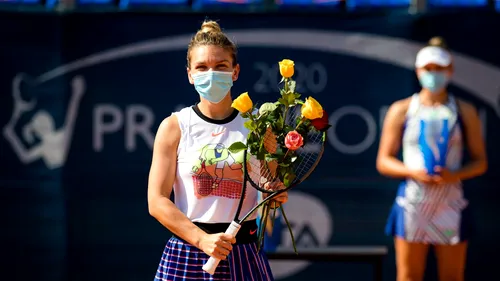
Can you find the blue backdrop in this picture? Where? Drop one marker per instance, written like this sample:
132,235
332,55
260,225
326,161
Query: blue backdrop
95,87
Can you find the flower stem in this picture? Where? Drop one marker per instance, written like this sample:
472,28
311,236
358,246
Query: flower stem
286,153
251,117
300,123
285,114
263,223
285,88
289,229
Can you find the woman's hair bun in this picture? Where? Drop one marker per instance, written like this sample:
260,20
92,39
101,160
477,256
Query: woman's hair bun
210,26
438,41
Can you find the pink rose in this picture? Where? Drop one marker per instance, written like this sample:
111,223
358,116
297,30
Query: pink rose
293,140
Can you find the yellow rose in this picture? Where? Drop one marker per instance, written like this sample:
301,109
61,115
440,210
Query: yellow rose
311,109
286,68
243,103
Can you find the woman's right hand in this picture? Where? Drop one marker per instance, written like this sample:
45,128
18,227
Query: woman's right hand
422,176
217,245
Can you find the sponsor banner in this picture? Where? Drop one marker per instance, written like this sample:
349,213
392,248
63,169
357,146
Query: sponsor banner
82,98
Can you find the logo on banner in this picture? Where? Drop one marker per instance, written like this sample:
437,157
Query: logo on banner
53,144
45,141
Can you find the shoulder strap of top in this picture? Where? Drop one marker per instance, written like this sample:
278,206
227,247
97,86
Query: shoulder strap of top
454,107
453,104
413,106
412,110
184,120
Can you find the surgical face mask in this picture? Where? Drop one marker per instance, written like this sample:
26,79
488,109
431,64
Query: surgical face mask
213,85
434,81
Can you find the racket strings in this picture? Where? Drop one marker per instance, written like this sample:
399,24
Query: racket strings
309,155
312,150
264,174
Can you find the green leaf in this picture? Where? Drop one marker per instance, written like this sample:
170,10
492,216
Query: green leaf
252,138
279,151
237,147
291,98
261,153
267,107
261,127
283,101
270,157
250,125
281,121
272,119
288,180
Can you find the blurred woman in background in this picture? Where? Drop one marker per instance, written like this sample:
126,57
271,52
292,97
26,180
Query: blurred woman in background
430,208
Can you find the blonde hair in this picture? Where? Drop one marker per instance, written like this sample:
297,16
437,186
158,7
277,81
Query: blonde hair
210,34
438,41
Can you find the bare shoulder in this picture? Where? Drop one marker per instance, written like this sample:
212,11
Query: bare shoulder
398,109
466,108
168,134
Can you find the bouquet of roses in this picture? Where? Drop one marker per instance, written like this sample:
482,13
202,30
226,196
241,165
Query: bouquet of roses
283,124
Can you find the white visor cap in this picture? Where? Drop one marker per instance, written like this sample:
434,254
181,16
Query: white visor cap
432,54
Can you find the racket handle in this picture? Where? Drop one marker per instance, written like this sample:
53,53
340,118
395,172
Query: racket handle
212,262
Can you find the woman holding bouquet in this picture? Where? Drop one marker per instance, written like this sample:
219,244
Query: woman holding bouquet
190,156
433,128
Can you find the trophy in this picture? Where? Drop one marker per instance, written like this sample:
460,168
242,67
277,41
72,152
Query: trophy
433,140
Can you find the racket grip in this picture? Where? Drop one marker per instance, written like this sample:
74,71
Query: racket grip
212,262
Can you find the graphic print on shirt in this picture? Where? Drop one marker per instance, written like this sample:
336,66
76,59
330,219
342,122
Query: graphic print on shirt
218,172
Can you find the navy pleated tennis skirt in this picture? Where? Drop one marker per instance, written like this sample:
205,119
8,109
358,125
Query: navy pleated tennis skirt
182,261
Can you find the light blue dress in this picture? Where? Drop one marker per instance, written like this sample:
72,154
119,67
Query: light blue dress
423,213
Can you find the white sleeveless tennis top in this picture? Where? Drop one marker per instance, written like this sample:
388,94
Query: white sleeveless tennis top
412,154
209,178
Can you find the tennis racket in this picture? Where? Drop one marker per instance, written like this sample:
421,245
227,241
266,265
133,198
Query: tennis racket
263,175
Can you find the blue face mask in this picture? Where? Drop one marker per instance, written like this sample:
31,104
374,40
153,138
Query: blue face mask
213,85
434,81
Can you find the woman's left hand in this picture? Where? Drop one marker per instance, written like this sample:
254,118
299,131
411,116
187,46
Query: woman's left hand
279,200
445,176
